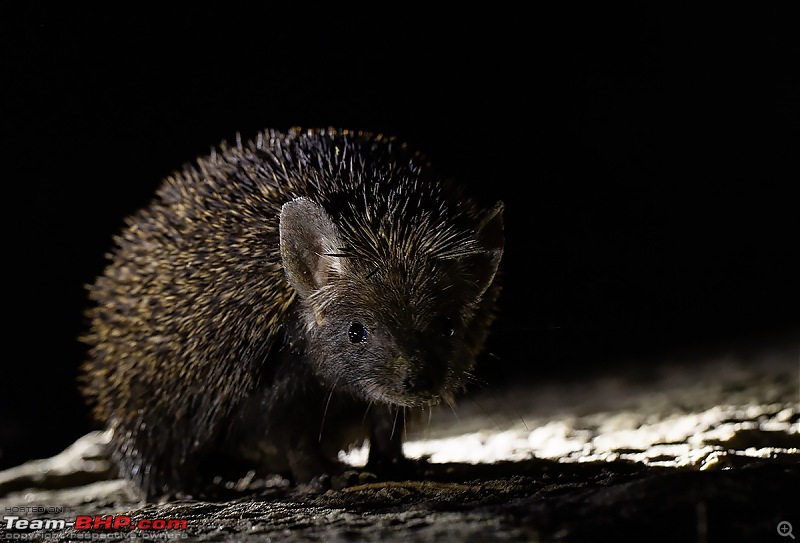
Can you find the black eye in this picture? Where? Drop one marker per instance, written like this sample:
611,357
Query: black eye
357,333
445,326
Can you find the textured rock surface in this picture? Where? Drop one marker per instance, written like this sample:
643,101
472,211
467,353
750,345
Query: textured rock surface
702,450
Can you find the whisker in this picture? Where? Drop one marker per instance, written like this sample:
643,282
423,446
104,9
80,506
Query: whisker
473,379
450,404
518,415
366,412
506,405
325,412
487,414
484,385
394,422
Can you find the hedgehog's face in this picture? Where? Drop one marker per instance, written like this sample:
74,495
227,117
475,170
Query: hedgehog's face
383,331
387,341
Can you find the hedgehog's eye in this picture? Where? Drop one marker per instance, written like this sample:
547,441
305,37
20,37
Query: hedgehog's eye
357,333
444,325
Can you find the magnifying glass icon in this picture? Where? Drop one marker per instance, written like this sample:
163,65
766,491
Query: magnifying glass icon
785,529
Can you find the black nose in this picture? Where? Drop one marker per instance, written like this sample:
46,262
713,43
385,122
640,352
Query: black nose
417,384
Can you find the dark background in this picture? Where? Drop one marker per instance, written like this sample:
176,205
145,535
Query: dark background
647,159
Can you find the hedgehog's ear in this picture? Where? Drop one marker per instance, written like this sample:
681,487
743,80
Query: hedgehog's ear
489,235
309,243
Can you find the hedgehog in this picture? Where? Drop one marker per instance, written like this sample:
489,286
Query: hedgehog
283,299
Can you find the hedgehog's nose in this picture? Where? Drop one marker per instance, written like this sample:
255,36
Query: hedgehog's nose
417,384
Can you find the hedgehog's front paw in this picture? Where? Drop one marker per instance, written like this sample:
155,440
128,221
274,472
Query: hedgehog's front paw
320,484
353,477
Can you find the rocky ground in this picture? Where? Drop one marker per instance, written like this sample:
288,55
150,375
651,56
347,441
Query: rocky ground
703,449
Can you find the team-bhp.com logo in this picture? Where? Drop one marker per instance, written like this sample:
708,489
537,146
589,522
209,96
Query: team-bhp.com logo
87,522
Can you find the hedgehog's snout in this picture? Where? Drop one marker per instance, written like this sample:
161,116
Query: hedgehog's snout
417,391
419,384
